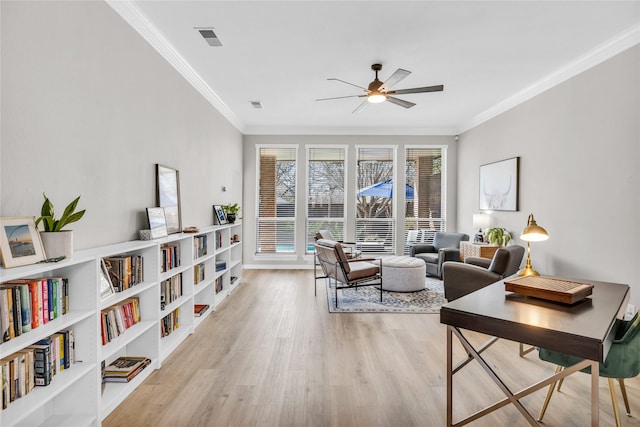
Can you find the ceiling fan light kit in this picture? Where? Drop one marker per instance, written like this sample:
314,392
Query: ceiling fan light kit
378,91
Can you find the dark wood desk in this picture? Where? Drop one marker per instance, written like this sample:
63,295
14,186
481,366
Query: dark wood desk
585,330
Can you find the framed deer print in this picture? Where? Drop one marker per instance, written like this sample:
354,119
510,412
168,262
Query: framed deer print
499,185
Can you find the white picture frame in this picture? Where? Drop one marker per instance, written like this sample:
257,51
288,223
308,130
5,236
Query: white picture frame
157,222
499,185
106,286
20,242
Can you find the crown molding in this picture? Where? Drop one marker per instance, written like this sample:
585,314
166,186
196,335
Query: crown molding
311,130
596,56
136,19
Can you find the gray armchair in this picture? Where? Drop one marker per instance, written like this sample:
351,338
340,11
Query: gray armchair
445,247
475,273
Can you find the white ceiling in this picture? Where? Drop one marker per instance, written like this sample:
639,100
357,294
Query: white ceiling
489,56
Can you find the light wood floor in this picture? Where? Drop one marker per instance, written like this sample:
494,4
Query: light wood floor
272,355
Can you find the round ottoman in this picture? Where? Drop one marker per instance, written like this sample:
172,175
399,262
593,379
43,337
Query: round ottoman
403,274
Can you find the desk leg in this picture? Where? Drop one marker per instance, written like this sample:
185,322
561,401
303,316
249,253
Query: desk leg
511,398
449,376
595,400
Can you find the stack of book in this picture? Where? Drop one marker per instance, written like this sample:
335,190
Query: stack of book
115,320
125,271
170,323
198,273
35,365
199,309
124,369
170,256
170,290
200,246
26,304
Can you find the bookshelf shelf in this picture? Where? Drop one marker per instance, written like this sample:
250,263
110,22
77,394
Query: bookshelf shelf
74,398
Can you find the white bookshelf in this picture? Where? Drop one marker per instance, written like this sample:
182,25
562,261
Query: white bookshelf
76,396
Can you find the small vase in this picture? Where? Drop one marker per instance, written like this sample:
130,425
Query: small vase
57,243
231,218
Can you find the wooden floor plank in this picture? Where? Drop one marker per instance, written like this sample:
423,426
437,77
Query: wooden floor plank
272,355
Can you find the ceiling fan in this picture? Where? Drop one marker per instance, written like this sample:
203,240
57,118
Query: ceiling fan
379,92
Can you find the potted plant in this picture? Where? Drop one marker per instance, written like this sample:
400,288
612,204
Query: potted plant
497,236
231,211
58,242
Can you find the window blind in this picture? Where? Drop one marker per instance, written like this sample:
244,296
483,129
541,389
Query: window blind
325,193
275,222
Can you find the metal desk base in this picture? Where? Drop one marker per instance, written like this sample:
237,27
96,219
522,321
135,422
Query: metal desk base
511,397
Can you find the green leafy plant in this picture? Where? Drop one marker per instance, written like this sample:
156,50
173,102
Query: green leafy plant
498,236
231,209
48,218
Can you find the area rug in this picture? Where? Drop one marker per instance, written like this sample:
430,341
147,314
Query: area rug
367,299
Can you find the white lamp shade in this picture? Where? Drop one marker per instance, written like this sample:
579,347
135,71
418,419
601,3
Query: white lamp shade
481,220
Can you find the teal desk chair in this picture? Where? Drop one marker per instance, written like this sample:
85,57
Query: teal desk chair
623,361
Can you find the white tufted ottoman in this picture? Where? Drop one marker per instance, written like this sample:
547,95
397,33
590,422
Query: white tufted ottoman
403,274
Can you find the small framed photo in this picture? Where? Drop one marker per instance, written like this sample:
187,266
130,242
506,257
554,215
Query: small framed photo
106,287
157,222
219,215
20,242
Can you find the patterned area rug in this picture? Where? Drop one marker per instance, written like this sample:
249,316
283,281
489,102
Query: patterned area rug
367,299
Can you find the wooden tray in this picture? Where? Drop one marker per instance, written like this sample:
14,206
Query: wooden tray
550,288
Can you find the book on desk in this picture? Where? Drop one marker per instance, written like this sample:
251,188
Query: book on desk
550,288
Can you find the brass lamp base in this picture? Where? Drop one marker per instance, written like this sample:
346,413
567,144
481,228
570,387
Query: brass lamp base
528,270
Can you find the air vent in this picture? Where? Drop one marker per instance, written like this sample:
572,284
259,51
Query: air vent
209,36
256,104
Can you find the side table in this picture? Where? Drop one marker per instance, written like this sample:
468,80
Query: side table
477,249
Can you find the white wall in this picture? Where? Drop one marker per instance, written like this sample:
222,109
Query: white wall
88,108
580,159
250,190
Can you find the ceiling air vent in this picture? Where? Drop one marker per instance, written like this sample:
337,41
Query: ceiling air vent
209,36
256,104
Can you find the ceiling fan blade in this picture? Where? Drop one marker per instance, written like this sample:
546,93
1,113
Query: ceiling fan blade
400,102
341,97
361,106
394,79
438,88
338,80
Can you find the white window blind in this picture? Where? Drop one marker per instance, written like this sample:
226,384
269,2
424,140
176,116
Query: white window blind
375,221
276,219
325,193
425,212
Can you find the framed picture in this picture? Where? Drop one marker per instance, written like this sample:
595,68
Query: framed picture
219,215
20,242
106,287
168,197
157,222
499,185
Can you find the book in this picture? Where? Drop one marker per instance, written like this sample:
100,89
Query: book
199,309
42,364
5,325
125,368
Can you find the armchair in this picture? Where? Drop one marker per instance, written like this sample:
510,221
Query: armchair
349,248
349,272
623,361
445,247
460,279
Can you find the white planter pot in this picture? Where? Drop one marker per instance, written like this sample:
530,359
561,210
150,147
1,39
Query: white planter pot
57,243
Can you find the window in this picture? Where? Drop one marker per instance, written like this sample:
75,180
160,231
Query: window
425,213
276,204
375,221
325,192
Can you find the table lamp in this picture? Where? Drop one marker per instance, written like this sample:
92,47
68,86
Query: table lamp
531,233
480,221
